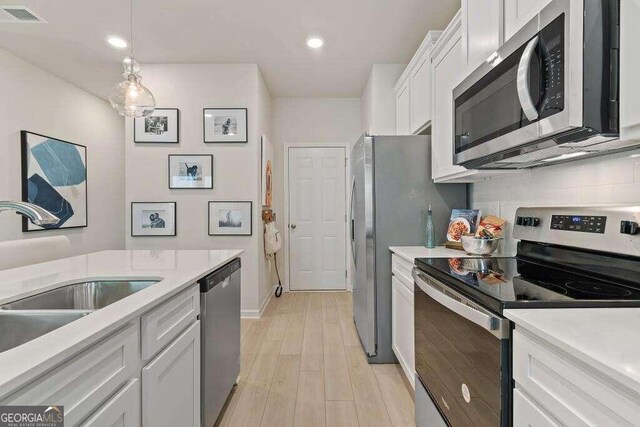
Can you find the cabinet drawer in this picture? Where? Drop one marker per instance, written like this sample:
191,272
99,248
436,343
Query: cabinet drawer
162,324
569,390
528,414
122,410
84,382
401,268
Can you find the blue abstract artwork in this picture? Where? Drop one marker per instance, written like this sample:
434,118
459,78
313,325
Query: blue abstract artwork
54,177
60,161
44,195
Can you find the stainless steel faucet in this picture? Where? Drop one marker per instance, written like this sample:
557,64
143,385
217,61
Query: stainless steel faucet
36,214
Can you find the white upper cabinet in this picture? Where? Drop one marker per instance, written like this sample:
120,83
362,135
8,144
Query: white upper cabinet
519,12
403,109
481,30
448,71
629,66
413,90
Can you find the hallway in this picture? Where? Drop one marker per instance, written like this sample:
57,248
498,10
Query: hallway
302,365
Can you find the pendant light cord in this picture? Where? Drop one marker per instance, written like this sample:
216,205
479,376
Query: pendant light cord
131,26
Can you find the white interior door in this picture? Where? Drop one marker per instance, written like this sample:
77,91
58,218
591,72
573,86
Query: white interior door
317,218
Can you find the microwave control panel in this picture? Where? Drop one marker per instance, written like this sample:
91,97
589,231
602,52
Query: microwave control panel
580,223
551,50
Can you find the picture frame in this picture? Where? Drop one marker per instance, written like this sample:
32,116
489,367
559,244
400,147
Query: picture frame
54,177
190,171
153,219
225,125
160,127
267,172
230,218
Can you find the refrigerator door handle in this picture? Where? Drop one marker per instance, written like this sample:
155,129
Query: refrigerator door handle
353,221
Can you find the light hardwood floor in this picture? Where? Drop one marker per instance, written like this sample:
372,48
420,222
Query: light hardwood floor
302,365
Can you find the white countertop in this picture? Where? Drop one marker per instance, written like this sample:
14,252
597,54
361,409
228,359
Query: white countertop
608,339
176,270
410,253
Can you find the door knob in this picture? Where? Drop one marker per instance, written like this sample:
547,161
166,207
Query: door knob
293,226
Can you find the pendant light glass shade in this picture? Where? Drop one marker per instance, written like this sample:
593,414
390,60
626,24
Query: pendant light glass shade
129,97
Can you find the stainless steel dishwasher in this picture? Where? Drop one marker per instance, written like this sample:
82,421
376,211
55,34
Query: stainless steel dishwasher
220,341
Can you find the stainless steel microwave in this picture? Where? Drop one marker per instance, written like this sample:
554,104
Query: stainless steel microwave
549,94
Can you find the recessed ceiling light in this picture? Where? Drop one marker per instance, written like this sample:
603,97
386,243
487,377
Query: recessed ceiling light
117,42
315,42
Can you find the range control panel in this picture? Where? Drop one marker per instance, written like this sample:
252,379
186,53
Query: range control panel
580,223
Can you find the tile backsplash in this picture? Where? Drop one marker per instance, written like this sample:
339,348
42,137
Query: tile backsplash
610,179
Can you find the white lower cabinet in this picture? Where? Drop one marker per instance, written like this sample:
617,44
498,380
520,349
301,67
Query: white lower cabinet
528,414
122,410
171,383
402,339
555,388
84,382
115,382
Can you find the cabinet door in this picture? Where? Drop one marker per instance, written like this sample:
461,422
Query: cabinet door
122,410
528,414
519,12
629,66
481,28
421,94
171,383
403,107
402,327
448,71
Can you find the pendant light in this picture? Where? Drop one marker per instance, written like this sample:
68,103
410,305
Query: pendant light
129,97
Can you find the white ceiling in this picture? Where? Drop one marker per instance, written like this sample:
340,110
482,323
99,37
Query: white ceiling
271,33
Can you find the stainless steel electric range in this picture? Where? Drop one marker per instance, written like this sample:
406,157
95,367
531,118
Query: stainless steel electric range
566,257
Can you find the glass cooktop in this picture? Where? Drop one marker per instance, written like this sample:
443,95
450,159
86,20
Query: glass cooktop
514,282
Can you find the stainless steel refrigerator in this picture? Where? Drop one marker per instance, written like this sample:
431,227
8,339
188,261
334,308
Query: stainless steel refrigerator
391,190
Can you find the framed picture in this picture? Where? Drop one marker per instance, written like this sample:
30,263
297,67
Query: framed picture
162,126
54,177
225,124
267,172
190,171
153,219
230,218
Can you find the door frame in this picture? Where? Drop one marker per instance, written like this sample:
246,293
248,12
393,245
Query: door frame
347,192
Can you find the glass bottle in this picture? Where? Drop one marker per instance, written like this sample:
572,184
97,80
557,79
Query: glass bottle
431,232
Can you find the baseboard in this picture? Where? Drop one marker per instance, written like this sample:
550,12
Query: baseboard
256,314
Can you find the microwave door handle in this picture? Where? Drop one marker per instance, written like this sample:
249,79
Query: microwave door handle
524,95
481,319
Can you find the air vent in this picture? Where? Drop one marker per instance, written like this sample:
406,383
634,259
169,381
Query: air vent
19,14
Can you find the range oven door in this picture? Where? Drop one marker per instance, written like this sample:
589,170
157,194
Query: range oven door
528,90
462,355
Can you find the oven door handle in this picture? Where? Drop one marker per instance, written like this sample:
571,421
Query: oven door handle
524,95
468,310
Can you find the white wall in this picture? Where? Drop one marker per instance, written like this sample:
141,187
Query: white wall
602,180
190,88
35,100
378,102
308,120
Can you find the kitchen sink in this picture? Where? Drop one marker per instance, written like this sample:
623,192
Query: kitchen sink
29,318
19,327
81,296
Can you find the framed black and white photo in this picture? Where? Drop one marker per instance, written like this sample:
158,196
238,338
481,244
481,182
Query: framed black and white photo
230,218
162,127
153,219
190,171
225,125
54,177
